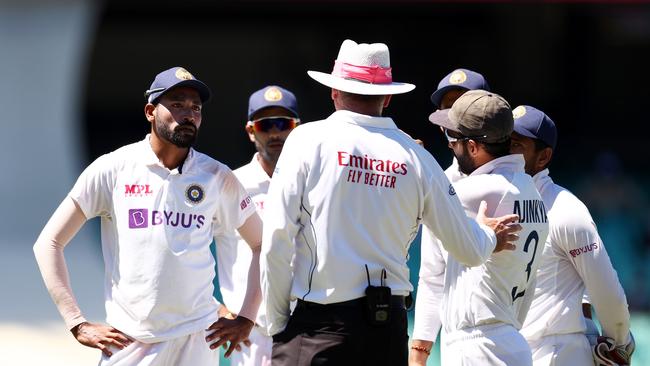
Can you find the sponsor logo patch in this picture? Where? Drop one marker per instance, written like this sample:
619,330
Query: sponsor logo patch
183,74
587,248
137,190
272,94
457,77
245,202
138,218
519,112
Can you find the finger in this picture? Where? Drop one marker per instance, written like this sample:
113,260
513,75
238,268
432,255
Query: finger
511,238
212,336
231,349
104,349
238,348
507,219
513,228
117,343
121,337
247,342
482,209
220,342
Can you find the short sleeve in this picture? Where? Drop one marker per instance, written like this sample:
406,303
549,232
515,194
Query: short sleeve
94,188
235,205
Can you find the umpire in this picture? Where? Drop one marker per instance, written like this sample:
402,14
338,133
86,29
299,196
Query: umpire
346,200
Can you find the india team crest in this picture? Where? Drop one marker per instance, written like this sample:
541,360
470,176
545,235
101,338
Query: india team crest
194,193
183,74
457,77
272,94
519,112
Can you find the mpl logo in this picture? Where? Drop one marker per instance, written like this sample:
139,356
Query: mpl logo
137,190
138,218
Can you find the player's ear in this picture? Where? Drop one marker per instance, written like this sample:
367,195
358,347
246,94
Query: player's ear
544,157
148,112
250,132
387,100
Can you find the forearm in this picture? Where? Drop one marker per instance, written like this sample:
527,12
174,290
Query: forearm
253,296
48,249
251,232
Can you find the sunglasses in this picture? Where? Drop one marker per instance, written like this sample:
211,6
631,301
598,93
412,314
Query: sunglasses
461,137
267,123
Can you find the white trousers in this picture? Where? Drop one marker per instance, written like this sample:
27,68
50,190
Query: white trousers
494,345
188,350
564,349
258,354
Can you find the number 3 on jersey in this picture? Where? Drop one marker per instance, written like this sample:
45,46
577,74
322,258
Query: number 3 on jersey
532,236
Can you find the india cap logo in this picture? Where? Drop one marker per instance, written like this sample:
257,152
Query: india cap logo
194,193
457,77
519,112
272,94
183,74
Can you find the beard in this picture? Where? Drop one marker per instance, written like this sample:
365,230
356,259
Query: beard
270,155
465,163
184,135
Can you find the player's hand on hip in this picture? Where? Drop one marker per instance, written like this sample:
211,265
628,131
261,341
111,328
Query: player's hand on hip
505,227
234,331
100,336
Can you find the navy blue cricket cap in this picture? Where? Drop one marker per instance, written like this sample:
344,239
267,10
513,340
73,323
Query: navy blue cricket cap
272,96
533,123
462,79
171,78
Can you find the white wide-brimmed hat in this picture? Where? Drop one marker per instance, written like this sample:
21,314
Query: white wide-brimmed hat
362,69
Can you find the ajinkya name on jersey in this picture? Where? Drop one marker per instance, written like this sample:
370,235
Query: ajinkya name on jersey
139,218
373,167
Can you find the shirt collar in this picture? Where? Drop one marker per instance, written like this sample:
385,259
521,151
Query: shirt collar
508,163
362,119
542,179
259,170
148,157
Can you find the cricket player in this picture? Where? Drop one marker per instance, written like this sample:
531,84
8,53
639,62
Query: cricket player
574,261
346,200
272,115
161,203
450,88
481,307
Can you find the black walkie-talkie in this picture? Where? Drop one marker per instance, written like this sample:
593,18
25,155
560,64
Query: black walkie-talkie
378,301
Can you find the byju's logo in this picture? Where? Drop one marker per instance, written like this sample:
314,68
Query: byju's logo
138,218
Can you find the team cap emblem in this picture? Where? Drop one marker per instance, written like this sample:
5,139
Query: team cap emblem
272,94
519,112
194,193
457,77
183,74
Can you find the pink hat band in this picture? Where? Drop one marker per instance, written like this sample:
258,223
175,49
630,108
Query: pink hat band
368,74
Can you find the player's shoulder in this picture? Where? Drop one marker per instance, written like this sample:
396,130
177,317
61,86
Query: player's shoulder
568,211
209,164
119,157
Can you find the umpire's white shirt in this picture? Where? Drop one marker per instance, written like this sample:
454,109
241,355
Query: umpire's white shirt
233,253
461,296
156,227
351,191
574,259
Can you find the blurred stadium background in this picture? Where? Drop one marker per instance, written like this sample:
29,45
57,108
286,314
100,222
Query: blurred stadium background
73,73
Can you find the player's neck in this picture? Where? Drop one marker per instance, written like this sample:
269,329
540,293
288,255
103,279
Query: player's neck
170,155
267,166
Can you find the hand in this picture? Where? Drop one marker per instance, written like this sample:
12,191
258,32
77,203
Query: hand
505,228
233,330
417,354
607,353
100,336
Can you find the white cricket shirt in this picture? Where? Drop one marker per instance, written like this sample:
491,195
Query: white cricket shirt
499,291
574,259
233,253
156,229
351,191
